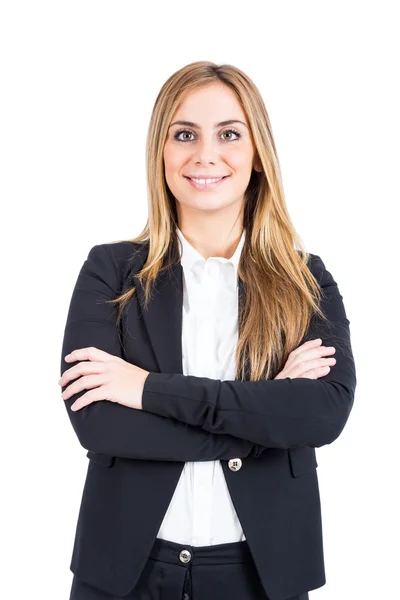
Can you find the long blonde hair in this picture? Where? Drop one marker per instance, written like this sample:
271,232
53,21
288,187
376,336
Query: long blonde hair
281,293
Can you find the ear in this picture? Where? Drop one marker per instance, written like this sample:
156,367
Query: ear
257,166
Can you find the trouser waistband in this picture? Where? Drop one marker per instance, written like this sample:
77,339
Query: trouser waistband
185,554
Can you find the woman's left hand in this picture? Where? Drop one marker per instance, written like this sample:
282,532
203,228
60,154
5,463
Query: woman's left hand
107,377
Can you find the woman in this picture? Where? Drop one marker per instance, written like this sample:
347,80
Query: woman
201,374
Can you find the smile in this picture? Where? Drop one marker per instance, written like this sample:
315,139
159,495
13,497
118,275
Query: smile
206,184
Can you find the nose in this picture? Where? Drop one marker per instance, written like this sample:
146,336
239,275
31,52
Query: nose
206,150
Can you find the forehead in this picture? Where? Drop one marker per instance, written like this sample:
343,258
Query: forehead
210,104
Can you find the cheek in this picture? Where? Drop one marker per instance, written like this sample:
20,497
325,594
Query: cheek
174,158
173,169
240,157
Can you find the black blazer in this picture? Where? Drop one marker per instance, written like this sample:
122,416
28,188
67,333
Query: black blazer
136,456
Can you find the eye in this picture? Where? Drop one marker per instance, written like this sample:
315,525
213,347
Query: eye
234,132
178,133
226,131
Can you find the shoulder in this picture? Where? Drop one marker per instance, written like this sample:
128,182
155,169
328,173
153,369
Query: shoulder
119,259
315,263
317,267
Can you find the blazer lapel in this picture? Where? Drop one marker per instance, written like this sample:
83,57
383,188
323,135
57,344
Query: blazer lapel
163,316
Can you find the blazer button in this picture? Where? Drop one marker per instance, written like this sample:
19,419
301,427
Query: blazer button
185,556
235,464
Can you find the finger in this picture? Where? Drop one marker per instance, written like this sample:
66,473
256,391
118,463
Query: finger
316,373
302,367
311,353
82,368
306,346
92,396
84,383
90,353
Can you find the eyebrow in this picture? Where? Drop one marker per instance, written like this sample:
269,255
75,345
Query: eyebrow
195,126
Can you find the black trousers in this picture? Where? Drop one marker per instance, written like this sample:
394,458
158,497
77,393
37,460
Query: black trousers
182,572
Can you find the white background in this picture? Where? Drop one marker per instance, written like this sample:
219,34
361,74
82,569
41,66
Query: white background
78,82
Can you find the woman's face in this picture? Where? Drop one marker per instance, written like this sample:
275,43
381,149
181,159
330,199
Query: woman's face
205,148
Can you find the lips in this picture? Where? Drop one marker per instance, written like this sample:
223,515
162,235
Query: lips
208,177
205,187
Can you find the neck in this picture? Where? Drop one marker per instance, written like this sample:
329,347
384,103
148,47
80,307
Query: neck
212,235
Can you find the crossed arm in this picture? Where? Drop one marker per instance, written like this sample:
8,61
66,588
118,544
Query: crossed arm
111,428
281,413
188,418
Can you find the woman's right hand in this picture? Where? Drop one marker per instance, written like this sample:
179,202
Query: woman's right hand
308,361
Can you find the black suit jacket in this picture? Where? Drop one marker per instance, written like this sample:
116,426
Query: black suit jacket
136,456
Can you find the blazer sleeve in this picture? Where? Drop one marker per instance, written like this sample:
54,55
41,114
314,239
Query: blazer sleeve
113,429
282,413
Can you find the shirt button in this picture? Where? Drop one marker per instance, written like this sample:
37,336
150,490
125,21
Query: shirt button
235,464
185,556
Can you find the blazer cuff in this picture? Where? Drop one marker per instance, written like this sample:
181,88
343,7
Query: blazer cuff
176,396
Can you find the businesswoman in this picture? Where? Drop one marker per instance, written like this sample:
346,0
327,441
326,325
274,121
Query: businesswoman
207,359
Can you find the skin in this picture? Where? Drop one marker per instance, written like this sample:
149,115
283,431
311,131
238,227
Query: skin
212,221
105,376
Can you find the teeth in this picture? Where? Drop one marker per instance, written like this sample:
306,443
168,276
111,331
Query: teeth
202,181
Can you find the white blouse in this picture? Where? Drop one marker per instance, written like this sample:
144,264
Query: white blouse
201,512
